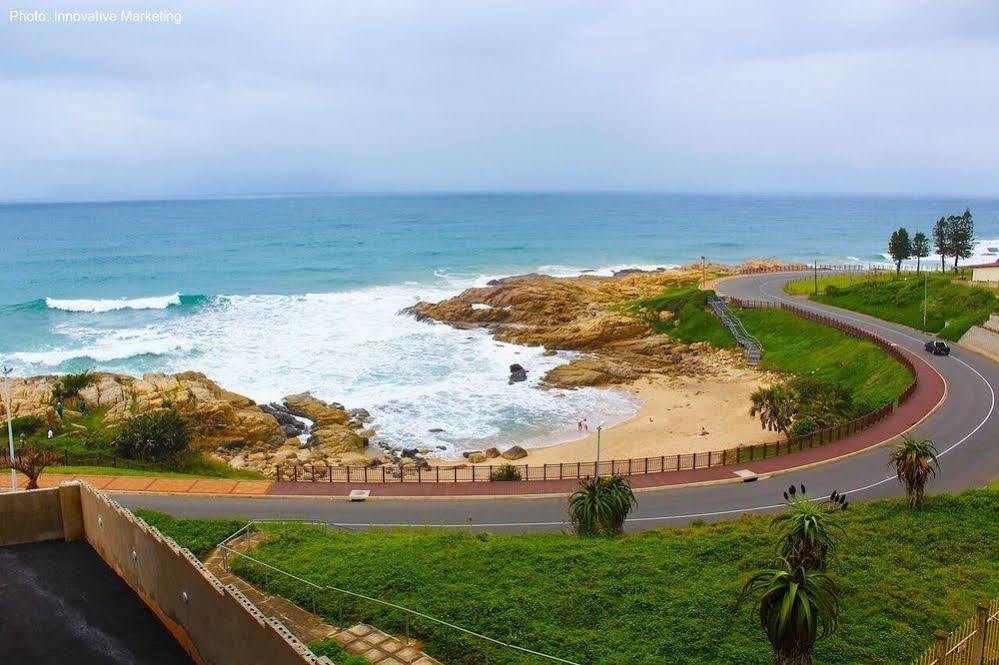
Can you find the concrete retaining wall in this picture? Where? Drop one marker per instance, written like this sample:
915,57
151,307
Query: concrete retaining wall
216,624
30,517
982,340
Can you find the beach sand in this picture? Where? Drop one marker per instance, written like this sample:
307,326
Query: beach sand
676,416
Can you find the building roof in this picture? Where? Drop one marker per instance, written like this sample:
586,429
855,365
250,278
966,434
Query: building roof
994,264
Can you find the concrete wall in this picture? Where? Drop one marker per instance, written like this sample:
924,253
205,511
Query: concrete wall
983,340
30,517
990,274
215,623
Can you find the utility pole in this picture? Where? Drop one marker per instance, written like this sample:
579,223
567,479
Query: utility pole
10,427
596,469
703,271
925,280
815,268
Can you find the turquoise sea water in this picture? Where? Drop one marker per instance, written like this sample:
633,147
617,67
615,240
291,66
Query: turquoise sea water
277,295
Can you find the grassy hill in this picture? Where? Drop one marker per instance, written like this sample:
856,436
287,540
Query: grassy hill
661,596
952,307
791,344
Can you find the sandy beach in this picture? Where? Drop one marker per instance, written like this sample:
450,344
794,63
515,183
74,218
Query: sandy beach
677,415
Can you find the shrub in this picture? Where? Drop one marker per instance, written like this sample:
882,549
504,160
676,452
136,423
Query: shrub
161,436
71,384
601,505
27,425
505,472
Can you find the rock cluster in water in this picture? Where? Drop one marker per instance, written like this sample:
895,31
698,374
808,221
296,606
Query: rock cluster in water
584,314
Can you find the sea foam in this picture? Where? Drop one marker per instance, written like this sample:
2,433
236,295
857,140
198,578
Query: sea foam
109,305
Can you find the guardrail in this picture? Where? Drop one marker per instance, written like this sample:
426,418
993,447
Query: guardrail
412,473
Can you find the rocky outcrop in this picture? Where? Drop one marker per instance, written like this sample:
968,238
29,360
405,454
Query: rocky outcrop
517,373
587,314
224,424
333,431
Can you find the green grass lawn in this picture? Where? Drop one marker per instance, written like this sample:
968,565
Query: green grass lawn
805,348
791,345
662,596
196,472
952,307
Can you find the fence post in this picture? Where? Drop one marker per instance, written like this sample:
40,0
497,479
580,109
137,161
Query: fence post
940,646
981,626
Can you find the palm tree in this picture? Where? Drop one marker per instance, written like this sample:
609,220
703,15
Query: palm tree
601,505
776,406
796,608
809,530
915,462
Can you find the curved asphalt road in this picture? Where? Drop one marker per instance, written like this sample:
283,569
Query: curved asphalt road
965,429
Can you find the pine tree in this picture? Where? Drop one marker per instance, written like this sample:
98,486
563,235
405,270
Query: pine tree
941,236
962,236
899,248
920,248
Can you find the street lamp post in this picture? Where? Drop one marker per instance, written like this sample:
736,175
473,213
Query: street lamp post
815,268
703,270
10,428
925,280
596,469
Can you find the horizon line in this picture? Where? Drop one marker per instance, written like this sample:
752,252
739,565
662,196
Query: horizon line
179,198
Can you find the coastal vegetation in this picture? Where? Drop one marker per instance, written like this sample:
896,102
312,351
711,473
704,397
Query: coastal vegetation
659,596
600,506
834,369
915,461
952,307
150,445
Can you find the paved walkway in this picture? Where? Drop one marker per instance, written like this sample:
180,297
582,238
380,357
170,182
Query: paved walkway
360,639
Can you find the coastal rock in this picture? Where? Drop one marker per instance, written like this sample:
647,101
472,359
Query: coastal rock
517,373
491,453
514,453
590,314
361,415
476,457
306,406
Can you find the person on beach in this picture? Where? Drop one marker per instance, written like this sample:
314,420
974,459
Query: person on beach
579,425
586,425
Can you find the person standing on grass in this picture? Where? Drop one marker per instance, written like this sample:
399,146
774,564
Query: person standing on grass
59,409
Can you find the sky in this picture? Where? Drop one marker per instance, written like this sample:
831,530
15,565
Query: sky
897,97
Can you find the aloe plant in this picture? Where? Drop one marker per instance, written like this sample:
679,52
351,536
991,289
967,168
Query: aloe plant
795,607
915,462
601,505
809,530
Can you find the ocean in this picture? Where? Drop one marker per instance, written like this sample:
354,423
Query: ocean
270,296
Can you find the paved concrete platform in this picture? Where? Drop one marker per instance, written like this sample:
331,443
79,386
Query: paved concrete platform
60,603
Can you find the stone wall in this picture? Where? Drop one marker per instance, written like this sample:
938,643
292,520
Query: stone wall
215,623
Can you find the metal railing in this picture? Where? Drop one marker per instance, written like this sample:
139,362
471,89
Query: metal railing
753,346
974,642
410,615
412,473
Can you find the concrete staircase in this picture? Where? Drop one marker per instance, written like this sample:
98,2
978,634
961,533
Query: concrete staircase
373,645
753,346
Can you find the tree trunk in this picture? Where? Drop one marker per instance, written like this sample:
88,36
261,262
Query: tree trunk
956,257
898,268
792,657
917,266
943,263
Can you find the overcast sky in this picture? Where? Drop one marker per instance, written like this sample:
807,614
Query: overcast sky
896,97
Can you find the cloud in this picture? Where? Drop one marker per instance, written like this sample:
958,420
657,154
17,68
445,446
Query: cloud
718,96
